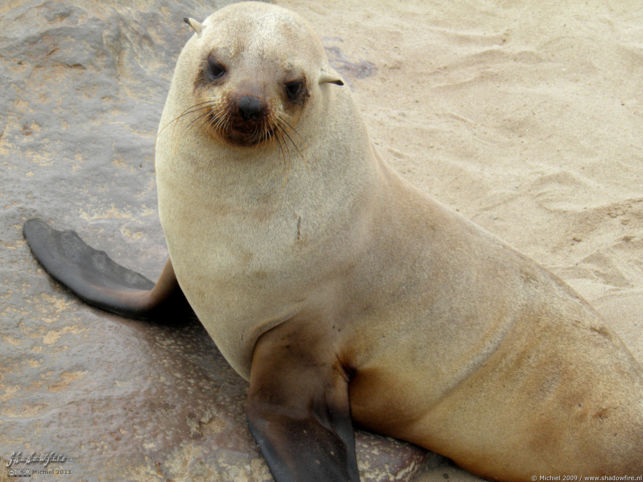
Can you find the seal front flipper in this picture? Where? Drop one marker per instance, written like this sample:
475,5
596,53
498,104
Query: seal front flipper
96,279
298,408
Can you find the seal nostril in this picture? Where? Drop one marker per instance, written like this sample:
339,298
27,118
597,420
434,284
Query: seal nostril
250,107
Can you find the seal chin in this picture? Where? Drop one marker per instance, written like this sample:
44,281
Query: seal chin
248,136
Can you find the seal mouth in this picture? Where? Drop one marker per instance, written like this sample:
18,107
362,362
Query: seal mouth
245,132
224,123
239,131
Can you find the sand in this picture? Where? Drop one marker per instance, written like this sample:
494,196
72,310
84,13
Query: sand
526,117
528,120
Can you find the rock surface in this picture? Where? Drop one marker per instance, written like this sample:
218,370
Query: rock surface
83,88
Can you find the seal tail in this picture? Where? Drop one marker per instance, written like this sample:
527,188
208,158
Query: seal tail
101,282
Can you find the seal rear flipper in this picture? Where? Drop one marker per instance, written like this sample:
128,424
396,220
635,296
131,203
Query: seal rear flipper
298,410
99,281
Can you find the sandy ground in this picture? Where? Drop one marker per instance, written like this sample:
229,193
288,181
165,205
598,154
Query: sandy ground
526,119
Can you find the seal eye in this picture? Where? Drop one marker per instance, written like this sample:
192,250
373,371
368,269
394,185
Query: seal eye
216,70
294,90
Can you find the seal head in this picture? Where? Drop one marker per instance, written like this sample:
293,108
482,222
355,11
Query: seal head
245,92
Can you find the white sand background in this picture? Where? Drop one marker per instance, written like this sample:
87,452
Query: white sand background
524,116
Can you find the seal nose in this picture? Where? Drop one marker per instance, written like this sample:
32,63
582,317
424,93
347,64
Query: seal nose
250,107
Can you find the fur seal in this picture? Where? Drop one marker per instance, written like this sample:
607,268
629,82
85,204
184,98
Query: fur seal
343,293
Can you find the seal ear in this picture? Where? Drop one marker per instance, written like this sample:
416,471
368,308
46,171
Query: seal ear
196,26
330,78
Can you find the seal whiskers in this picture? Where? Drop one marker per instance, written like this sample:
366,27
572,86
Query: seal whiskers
196,108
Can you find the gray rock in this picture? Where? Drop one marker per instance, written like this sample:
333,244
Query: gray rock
83,88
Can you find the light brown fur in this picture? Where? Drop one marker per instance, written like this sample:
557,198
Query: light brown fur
455,341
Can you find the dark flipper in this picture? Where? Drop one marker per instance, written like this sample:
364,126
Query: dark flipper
298,409
96,279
